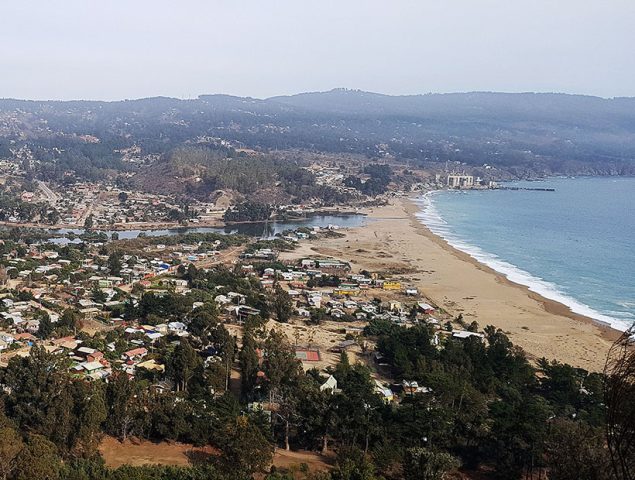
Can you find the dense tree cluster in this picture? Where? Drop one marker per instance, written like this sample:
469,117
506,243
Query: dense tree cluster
380,176
483,405
248,212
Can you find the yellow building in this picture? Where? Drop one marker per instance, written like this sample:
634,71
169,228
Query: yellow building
392,285
345,292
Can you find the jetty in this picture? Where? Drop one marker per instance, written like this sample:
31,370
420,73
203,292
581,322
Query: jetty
527,188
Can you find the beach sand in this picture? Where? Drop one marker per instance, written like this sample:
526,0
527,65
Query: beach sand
394,240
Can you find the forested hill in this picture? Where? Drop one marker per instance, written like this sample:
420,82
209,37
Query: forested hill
527,132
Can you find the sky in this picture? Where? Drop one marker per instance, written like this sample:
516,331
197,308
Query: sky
117,49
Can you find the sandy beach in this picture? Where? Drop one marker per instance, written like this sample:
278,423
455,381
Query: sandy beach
395,241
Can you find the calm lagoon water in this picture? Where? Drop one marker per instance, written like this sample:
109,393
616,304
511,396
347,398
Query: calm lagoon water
255,229
575,245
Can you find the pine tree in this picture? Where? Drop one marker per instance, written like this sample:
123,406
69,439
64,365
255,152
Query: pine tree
183,363
282,305
248,359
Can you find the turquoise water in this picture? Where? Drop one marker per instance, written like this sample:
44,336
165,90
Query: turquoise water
575,245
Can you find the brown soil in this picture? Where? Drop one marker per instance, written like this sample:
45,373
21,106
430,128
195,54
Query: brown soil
137,452
144,452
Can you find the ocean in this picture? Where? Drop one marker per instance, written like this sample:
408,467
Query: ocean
575,245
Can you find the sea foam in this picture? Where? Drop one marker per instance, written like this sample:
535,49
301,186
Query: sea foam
431,218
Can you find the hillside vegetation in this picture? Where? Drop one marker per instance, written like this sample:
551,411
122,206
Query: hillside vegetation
525,133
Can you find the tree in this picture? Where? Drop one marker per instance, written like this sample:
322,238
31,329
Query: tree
315,412
70,319
575,451
202,321
53,216
114,263
123,197
249,364
245,449
46,326
32,383
98,295
121,404
248,212
282,305
183,363
91,413
280,363
10,447
282,370
353,464
39,459
423,464
89,222
619,393
317,315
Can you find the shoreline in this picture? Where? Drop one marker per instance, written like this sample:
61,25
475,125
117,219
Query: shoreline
551,306
550,292
397,243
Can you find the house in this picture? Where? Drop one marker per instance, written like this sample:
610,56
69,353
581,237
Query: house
222,299
135,354
384,392
236,297
32,326
243,312
91,367
90,312
267,282
337,313
177,328
410,387
86,352
96,356
153,336
395,307
179,284
347,289
426,308
391,285
463,334
151,365
329,385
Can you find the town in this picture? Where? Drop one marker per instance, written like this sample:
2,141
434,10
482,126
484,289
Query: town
64,297
227,288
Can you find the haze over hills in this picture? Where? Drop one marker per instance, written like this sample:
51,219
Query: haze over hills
526,133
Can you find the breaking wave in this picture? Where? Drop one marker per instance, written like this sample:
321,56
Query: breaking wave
432,219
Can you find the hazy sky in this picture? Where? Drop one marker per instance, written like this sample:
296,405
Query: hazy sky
113,49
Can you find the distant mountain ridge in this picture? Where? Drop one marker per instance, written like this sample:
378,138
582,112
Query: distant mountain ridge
540,133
